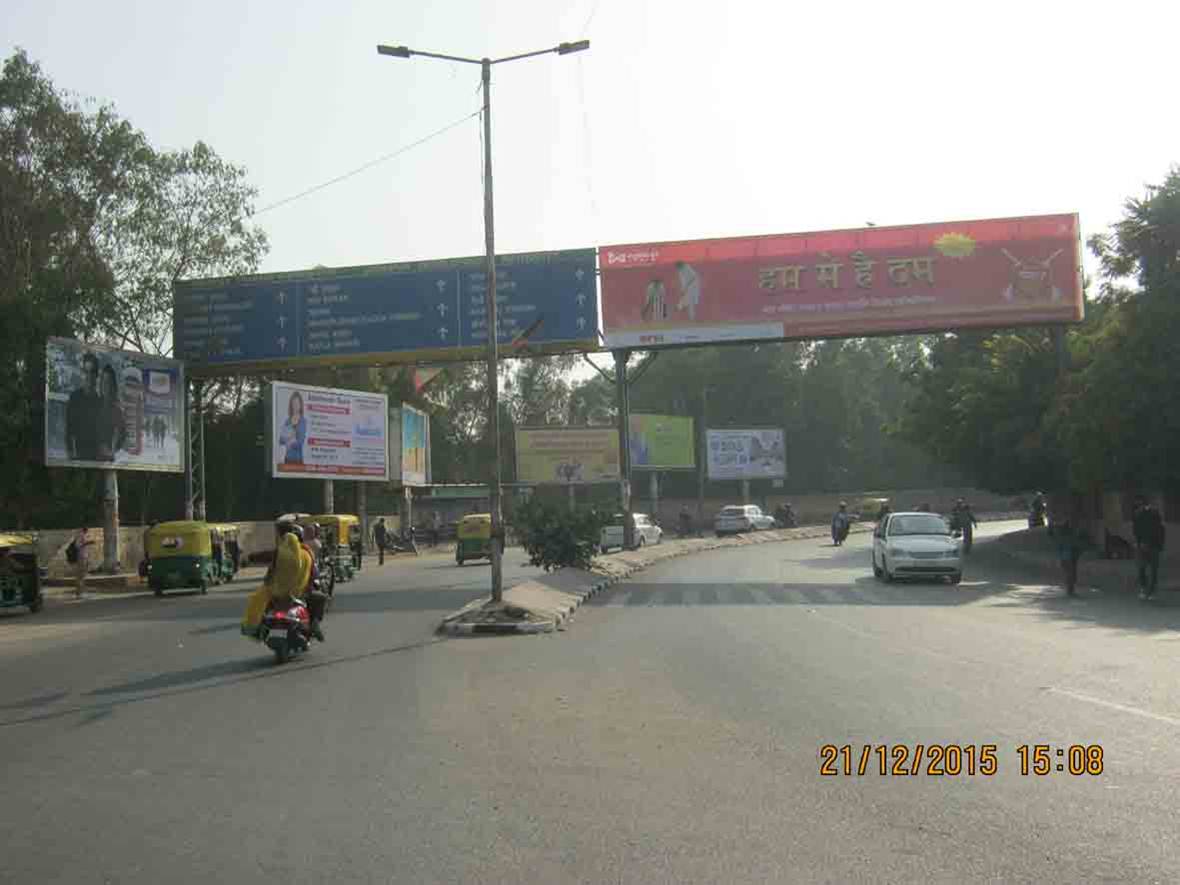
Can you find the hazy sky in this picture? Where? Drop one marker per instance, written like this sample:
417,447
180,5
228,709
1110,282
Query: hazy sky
682,120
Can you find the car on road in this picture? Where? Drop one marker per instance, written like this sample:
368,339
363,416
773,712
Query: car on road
916,545
733,519
646,532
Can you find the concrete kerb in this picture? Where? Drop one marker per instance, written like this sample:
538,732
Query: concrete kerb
538,606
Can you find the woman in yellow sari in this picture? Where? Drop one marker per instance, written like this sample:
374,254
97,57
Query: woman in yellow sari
289,577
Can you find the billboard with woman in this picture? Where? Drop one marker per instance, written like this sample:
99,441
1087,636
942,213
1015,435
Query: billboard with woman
328,433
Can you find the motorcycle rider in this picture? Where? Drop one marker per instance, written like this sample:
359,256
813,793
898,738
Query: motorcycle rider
292,574
840,524
963,520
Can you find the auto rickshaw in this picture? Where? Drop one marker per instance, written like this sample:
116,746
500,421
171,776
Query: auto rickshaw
20,573
180,555
231,551
474,535
343,531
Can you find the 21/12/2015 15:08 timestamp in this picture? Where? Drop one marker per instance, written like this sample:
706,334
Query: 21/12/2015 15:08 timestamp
955,760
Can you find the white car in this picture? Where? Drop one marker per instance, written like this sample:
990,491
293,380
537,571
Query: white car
916,545
735,518
646,532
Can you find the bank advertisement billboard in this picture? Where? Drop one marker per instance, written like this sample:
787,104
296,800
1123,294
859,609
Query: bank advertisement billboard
662,442
567,455
879,280
755,453
107,408
326,433
409,446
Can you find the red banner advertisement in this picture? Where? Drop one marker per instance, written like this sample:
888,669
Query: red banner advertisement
838,284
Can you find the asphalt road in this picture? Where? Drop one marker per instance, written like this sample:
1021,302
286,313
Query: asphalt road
673,733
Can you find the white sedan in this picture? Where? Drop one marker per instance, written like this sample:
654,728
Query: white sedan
916,545
735,518
646,532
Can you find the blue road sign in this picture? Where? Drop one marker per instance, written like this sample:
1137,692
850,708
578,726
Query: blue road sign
386,313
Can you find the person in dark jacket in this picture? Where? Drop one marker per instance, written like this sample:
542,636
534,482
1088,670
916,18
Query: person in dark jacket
1149,543
1072,541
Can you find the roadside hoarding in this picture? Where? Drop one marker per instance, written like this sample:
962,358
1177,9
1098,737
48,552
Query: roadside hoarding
567,455
322,432
662,442
109,408
409,446
409,312
878,280
754,453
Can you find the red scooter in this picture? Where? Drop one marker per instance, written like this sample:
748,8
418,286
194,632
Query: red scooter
286,630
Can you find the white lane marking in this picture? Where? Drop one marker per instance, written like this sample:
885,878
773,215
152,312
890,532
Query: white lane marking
1122,708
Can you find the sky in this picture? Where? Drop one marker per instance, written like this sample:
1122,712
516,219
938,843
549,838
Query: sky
681,121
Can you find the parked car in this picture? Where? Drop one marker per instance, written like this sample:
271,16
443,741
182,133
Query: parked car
646,532
916,545
736,518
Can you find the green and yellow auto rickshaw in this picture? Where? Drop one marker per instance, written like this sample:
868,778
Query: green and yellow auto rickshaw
474,535
20,572
340,533
227,551
180,555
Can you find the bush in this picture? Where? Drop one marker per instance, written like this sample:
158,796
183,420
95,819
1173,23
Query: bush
555,537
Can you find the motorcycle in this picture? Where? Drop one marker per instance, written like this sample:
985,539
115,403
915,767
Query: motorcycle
786,521
402,543
1036,519
286,629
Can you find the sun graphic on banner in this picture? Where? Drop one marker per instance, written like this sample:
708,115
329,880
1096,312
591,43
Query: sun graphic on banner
955,245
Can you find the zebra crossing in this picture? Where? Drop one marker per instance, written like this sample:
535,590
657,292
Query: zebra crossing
640,594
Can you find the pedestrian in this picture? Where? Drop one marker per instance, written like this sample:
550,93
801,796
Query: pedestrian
840,525
1149,543
1072,541
379,534
80,559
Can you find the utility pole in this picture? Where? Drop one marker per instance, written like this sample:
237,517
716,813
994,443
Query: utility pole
493,356
623,400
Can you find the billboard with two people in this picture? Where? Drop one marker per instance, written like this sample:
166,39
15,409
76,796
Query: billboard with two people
107,408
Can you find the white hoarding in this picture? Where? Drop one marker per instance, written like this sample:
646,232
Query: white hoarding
746,454
112,408
328,433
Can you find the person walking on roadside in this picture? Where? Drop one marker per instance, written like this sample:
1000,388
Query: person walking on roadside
840,525
1072,541
964,520
380,536
1149,543
80,559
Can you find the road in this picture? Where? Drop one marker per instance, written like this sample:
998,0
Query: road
673,733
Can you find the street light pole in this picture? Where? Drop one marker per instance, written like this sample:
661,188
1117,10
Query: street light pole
493,354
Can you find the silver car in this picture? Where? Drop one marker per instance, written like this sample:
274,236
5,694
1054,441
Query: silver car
916,545
735,518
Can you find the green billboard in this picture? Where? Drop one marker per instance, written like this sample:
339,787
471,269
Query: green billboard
662,442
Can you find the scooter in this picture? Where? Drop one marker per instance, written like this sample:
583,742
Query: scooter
286,630
1036,519
402,543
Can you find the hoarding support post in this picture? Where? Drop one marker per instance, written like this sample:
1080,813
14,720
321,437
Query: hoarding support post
493,340
329,496
110,522
623,407
188,455
745,491
198,451
573,495
654,494
362,513
703,460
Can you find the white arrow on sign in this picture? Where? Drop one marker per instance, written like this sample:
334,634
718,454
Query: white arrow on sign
442,310
581,299
314,288
581,322
282,322
282,297
442,284
579,273
442,332
282,343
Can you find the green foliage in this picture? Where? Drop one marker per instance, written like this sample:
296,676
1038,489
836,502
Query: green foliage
556,537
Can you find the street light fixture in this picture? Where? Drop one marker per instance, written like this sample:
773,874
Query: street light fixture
493,355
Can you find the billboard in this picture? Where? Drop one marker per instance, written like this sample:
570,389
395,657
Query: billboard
409,446
322,432
746,454
567,454
112,408
877,280
409,312
662,442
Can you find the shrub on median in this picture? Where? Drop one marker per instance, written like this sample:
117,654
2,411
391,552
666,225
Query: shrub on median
555,537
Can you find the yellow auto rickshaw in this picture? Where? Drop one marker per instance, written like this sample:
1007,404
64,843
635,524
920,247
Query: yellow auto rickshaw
180,555
227,555
474,535
20,572
340,533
